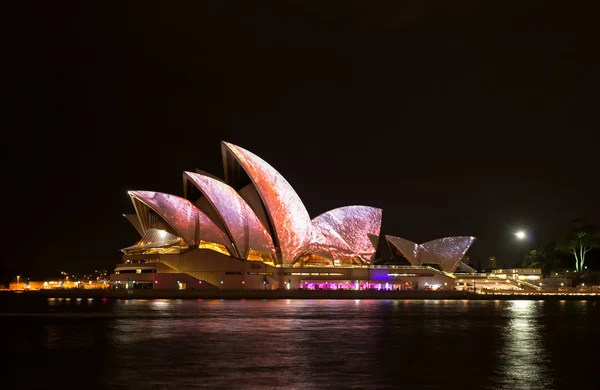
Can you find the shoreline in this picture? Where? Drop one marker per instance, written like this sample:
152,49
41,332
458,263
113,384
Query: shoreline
286,294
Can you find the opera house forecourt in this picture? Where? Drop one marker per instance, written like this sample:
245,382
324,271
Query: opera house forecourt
251,231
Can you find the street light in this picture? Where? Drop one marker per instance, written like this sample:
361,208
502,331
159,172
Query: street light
521,236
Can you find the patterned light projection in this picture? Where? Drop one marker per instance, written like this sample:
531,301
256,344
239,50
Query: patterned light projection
183,216
447,251
243,226
287,214
344,232
409,249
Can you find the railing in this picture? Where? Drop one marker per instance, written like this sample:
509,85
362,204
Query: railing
530,285
517,282
466,275
407,267
401,266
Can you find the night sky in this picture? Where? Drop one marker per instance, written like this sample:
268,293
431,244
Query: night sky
456,118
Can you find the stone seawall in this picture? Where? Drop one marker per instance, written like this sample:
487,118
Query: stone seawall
281,294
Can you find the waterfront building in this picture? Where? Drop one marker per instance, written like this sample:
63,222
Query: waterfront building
526,274
252,231
59,285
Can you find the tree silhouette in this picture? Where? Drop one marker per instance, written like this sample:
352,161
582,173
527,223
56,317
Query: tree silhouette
579,240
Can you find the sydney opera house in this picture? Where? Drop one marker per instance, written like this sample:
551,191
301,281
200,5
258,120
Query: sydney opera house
251,231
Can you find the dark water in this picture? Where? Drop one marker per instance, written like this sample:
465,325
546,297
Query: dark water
302,344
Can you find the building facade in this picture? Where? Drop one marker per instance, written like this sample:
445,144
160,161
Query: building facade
252,231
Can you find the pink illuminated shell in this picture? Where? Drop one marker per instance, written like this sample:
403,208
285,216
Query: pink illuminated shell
243,226
285,210
345,232
409,249
183,216
447,251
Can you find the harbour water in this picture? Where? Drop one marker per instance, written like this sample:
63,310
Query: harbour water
301,344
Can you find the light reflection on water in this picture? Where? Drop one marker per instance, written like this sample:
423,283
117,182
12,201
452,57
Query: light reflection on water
308,344
523,359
